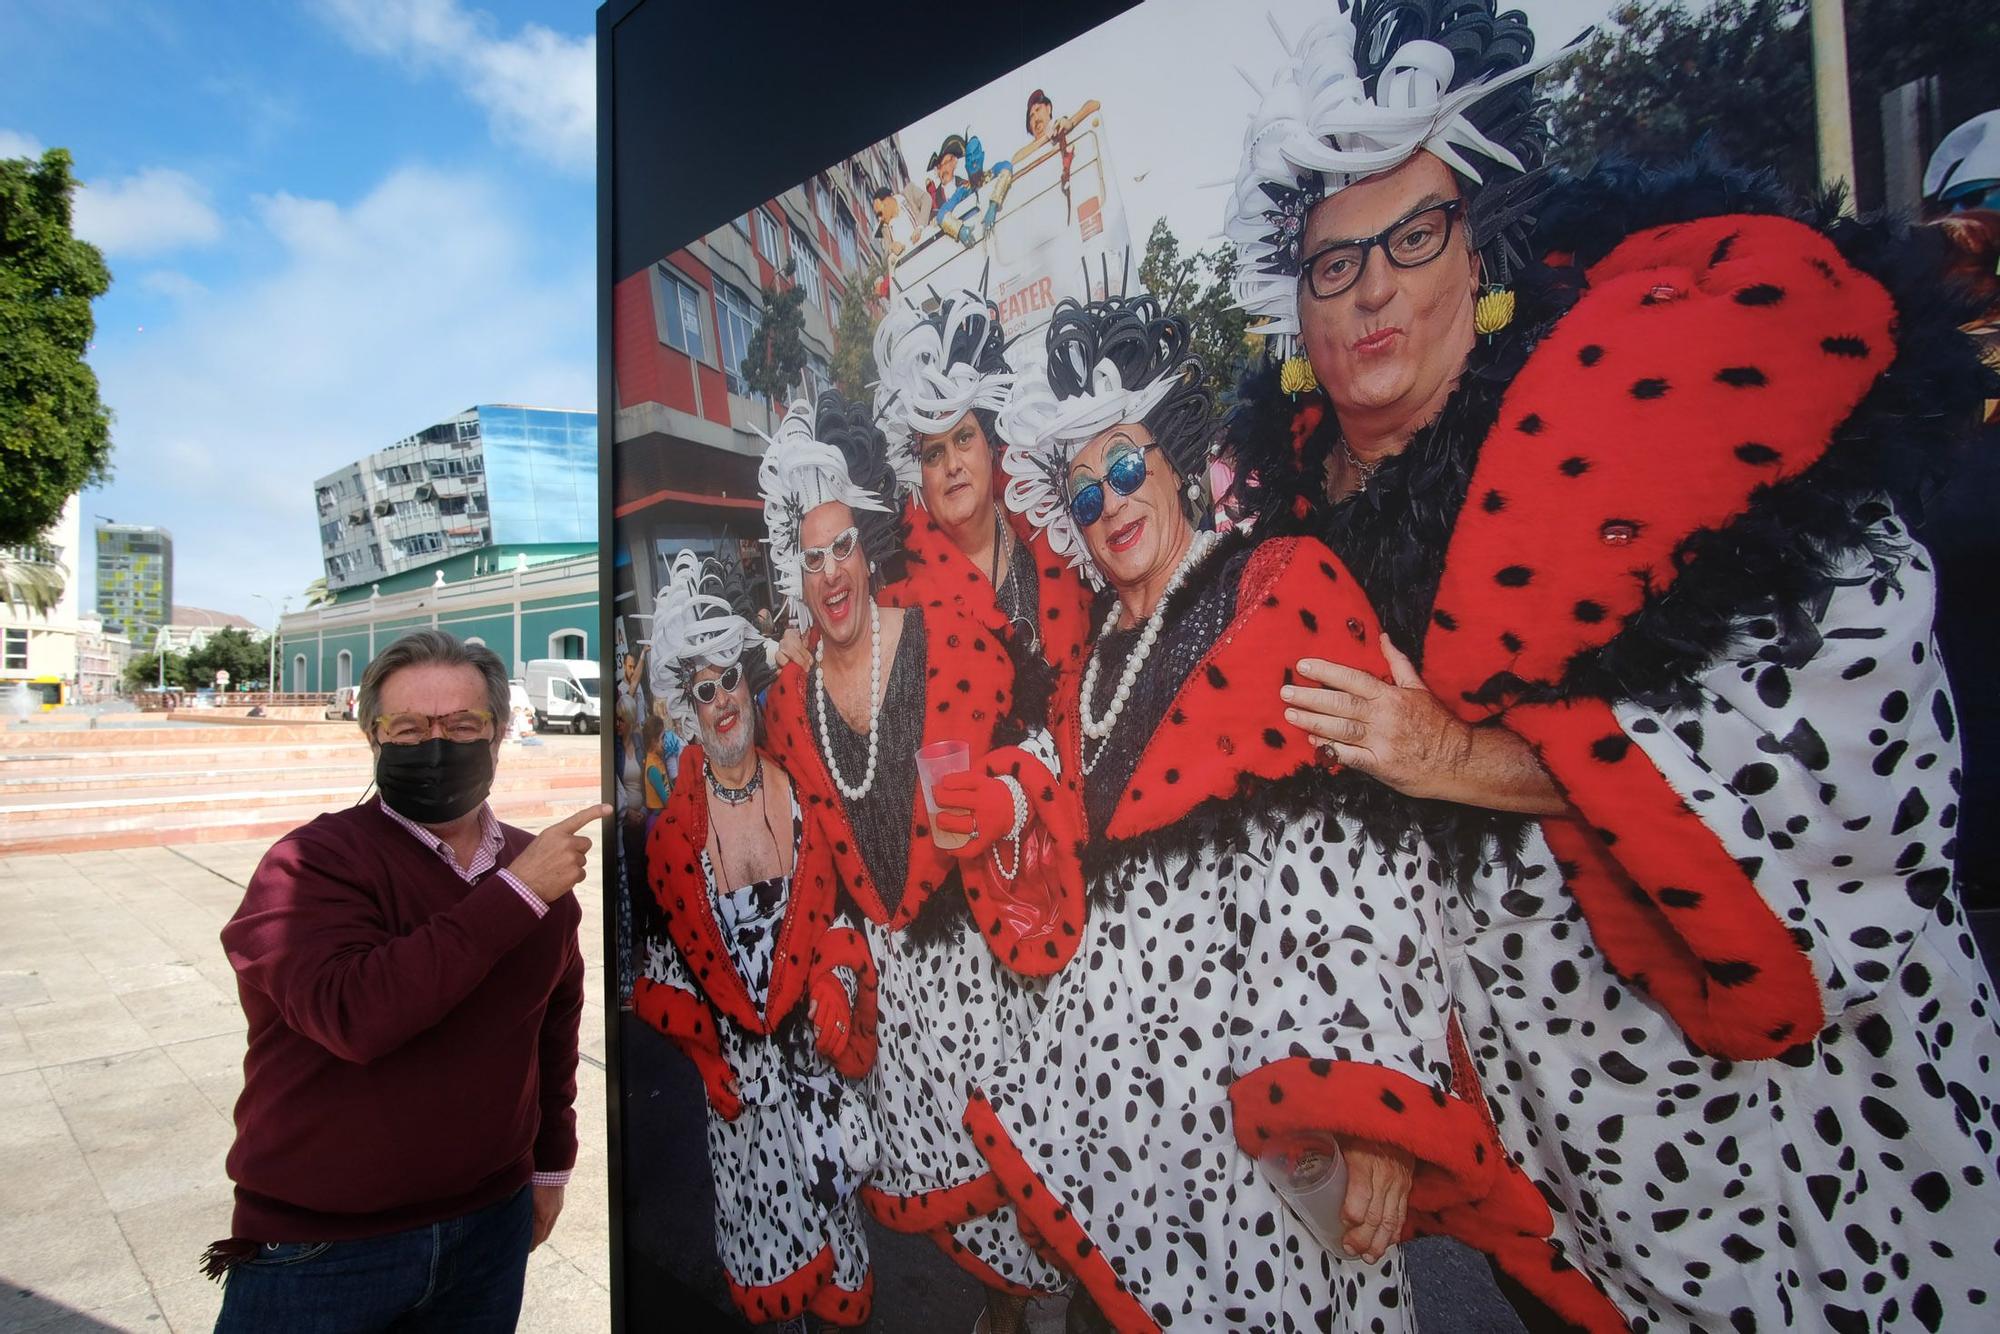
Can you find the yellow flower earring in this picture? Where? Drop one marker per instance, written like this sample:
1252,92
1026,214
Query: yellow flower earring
1296,376
1494,310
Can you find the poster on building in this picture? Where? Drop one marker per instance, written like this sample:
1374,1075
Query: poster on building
1278,671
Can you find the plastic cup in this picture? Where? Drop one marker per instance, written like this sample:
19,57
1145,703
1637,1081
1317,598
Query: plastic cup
938,760
1310,1175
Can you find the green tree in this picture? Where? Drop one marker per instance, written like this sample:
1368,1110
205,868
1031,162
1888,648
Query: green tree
55,435
142,672
233,651
1661,75
854,337
1197,285
777,355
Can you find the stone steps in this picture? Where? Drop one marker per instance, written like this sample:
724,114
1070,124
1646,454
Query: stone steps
101,797
208,769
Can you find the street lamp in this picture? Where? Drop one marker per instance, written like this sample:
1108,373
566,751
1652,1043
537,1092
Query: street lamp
277,618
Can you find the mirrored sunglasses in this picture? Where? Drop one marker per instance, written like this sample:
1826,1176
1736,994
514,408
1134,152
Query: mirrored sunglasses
1124,469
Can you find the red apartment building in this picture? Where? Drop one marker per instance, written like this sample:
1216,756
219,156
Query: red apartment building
686,467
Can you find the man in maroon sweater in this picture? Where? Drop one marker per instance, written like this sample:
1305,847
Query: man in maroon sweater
410,972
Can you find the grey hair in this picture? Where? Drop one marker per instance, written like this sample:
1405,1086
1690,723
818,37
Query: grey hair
421,648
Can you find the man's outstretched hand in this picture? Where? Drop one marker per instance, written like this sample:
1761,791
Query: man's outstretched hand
553,864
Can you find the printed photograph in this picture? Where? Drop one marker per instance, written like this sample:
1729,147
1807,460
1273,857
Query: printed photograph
1288,670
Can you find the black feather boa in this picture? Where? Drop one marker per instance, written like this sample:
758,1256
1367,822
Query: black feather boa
1775,560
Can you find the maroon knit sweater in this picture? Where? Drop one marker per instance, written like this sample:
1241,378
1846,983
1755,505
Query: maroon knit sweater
413,1038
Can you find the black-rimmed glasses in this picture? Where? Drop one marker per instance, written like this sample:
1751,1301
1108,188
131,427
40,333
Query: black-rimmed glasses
1409,243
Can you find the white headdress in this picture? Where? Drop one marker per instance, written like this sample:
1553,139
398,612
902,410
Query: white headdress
923,390
694,626
1317,131
1045,430
801,472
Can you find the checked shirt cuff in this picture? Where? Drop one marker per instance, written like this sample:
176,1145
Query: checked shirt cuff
534,901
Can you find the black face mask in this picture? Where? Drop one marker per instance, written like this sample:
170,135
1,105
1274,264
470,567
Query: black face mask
434,781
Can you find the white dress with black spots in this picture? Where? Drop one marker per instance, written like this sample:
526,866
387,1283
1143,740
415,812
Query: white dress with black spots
949,1011
1311,941
786,1172
1847,1187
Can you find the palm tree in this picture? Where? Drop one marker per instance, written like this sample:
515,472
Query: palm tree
317,594
30,579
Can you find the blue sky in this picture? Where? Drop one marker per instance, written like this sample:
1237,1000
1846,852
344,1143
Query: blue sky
329,224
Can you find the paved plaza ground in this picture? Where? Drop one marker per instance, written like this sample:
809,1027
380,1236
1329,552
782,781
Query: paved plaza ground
121,1055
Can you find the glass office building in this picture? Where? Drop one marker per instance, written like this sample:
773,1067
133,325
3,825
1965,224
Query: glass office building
135,579
494,476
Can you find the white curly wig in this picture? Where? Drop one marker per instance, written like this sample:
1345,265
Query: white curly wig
1317,130
799,473
934,369
694,626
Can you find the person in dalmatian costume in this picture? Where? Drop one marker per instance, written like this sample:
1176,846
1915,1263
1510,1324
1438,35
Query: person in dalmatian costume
944,378
756,980
1255,970
957,973
1625,464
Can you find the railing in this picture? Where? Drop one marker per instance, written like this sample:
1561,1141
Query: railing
172,699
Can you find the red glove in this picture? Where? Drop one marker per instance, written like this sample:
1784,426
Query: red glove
719,1082
973,803
832,1018
690,1025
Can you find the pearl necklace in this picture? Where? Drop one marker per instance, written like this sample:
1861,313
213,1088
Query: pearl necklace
1099,729
867,783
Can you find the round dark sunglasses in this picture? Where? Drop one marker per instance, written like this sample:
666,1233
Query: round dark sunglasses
1124,468
732,676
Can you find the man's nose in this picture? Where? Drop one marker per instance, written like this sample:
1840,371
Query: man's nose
1379,281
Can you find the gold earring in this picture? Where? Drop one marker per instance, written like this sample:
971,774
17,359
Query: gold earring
1296,376
1494,310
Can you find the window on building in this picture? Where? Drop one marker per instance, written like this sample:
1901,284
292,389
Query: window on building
769,243
819,376
806,268
742,225
14,649
736,324
822,202
299,672
833,307
843,235
682,302
568,645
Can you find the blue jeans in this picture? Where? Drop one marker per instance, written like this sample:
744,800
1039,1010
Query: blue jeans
461,1274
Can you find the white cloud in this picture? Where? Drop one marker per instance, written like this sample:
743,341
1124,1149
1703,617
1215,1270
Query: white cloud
156,210
15,144
172,284
380,317
538,87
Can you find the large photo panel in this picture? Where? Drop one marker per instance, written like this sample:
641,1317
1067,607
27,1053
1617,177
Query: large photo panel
1187,661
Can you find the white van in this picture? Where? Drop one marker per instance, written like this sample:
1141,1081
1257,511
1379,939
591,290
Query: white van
563,693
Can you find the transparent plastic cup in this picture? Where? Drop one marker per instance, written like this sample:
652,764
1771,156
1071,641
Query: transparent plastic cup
1310,1175
938,760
